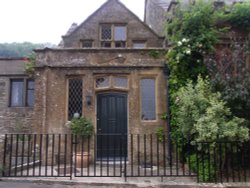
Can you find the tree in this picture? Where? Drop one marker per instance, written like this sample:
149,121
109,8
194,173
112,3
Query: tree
19,49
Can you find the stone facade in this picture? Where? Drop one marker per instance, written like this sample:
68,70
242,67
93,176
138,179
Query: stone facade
54,68
12,119
116,13
89,64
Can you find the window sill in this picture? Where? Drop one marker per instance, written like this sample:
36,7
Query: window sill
149,121
21,107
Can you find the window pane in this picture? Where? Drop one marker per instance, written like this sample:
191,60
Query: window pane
87,44
106,32
75,97
106,44
30,93
102,82
120,82
17,92
30,98
139,45
148,99
30,84
120,44
120,33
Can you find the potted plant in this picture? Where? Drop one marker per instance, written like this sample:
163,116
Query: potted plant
82,128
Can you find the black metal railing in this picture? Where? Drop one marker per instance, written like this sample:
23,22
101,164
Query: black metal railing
36,155
119,155
223,162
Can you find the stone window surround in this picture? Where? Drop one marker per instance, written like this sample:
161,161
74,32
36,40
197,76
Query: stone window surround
25,91
68,77
74,81
90,41
154,77
95,76
111,82
113,25
140,41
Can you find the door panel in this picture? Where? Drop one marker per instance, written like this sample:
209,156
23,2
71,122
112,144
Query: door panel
111,125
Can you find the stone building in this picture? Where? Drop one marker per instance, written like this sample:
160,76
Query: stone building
16,97
158,11
110,69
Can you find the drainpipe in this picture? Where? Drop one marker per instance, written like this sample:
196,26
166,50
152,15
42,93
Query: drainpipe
168,120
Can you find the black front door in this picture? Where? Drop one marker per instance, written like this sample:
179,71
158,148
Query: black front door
111,125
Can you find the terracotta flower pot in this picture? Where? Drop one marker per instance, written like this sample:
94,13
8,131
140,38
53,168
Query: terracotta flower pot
82,160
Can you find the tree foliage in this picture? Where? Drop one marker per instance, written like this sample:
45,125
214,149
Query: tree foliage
236,91
193,32
19,49
203,116
240,15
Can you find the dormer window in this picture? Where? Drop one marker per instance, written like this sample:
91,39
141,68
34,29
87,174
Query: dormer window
113,36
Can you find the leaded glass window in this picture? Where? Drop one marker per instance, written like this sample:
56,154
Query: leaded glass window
75,97
121,82
106,32
148,109
87,43
113,36
102,82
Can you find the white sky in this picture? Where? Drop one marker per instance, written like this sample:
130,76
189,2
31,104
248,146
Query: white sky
41,21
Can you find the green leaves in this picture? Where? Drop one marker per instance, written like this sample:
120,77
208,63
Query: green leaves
203,116
240,15
30,64
81,126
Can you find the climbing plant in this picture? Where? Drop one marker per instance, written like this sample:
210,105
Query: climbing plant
29,64
193,31
239,15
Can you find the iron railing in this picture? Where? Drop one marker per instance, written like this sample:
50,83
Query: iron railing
223,162
119,155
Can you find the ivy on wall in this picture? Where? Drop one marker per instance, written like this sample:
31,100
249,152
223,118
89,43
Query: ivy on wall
193,33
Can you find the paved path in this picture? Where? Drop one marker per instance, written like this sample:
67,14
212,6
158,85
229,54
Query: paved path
101,183
44,185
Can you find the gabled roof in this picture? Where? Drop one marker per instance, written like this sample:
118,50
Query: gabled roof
103,7
163,3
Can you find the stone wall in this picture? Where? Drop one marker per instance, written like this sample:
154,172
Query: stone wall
1,152
12,119
155,14
112,12
55,67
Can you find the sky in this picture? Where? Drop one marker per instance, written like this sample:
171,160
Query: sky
45,21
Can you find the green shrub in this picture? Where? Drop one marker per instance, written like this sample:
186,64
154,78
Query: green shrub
160,134
205,171
202,116
81,126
